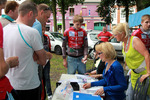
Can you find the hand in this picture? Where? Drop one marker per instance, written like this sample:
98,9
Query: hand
84,60
87,85
12,61
143,77
99,91
48,55
35,56
65,63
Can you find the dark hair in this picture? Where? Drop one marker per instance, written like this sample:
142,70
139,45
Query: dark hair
10,5
99,42
26,7
2,2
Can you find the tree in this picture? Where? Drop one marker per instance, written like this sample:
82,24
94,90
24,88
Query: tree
107,7
142,4
64,5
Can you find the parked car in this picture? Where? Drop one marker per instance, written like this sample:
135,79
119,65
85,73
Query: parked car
92,39
56,40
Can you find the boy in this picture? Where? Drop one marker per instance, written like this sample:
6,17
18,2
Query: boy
76,39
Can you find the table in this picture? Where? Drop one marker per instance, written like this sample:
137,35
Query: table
81,79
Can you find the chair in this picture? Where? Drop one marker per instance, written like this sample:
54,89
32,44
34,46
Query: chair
140,90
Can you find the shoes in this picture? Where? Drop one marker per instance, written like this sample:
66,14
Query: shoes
50,97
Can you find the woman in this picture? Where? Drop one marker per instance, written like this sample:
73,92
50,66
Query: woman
135,53
113,80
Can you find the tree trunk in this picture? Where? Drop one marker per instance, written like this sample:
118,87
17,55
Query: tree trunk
127,12
54,15
63,17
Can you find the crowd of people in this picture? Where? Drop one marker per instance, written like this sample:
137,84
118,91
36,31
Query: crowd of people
25,54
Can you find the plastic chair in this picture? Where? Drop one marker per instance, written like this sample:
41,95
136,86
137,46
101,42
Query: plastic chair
140,90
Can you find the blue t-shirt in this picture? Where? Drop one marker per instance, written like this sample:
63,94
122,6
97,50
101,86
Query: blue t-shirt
113,81
37,25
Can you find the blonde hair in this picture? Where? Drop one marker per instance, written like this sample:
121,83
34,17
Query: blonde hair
107,49
78,18
121,27
144,17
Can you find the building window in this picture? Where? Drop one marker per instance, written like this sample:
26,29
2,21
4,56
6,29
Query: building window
96,24
71,11
122,13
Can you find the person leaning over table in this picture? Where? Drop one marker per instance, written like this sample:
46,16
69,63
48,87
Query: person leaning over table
113,80
135,54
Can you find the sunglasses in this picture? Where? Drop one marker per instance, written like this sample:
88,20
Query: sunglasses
99,53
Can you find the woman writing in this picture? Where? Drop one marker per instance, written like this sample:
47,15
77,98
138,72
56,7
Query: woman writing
113,80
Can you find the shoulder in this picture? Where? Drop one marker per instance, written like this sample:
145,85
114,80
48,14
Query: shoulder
67,31
136,32
116,65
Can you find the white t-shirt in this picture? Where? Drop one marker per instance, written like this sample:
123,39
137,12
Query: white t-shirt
24,76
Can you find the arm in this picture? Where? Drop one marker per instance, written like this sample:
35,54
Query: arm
98,37
85,48
140,47
9,63
41,57
64,48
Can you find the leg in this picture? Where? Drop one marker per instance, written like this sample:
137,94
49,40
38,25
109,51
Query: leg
47,79
129,92
72,65
81,67
33,94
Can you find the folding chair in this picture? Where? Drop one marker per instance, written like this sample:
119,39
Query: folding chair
140,90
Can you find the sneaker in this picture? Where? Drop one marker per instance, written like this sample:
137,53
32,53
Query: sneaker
50,97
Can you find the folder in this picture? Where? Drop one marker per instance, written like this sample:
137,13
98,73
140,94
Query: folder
83,96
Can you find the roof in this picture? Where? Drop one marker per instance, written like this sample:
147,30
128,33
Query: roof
135,19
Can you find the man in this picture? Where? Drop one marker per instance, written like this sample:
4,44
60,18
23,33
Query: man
11,13
25,42
44,13
104,35
144,32
76,39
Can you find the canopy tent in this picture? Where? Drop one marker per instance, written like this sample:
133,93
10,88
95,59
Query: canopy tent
135,19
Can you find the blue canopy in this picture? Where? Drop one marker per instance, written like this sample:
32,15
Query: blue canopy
135,19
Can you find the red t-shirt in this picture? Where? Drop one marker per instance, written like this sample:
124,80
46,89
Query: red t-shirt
4,87
1,36
104,36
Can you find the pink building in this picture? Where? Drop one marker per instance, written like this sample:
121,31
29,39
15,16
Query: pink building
88,11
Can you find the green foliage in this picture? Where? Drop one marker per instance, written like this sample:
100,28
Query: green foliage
41,1
106,7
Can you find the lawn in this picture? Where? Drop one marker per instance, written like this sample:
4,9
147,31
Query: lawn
57,69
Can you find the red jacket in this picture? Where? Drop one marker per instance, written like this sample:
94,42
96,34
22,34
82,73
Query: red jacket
145,38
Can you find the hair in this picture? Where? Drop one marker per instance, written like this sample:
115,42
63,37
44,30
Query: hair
10,5
144,17
44,7
107,49
121,27
2,2
78,18
26,7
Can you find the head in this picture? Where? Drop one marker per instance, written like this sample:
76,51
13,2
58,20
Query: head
77,21
2,5
104,29
121,31
11,9
28,12
145,22
44,13
105,51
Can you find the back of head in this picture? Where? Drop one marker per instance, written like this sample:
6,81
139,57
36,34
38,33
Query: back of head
144,17
10,5
78,18
107,49
26,7
2,2
121,27
43,7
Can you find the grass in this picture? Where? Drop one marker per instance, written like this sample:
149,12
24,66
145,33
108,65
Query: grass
57,69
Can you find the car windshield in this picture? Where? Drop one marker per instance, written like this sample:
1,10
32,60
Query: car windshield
57,36
93,36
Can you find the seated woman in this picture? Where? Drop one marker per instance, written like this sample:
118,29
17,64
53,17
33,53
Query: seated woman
113,80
